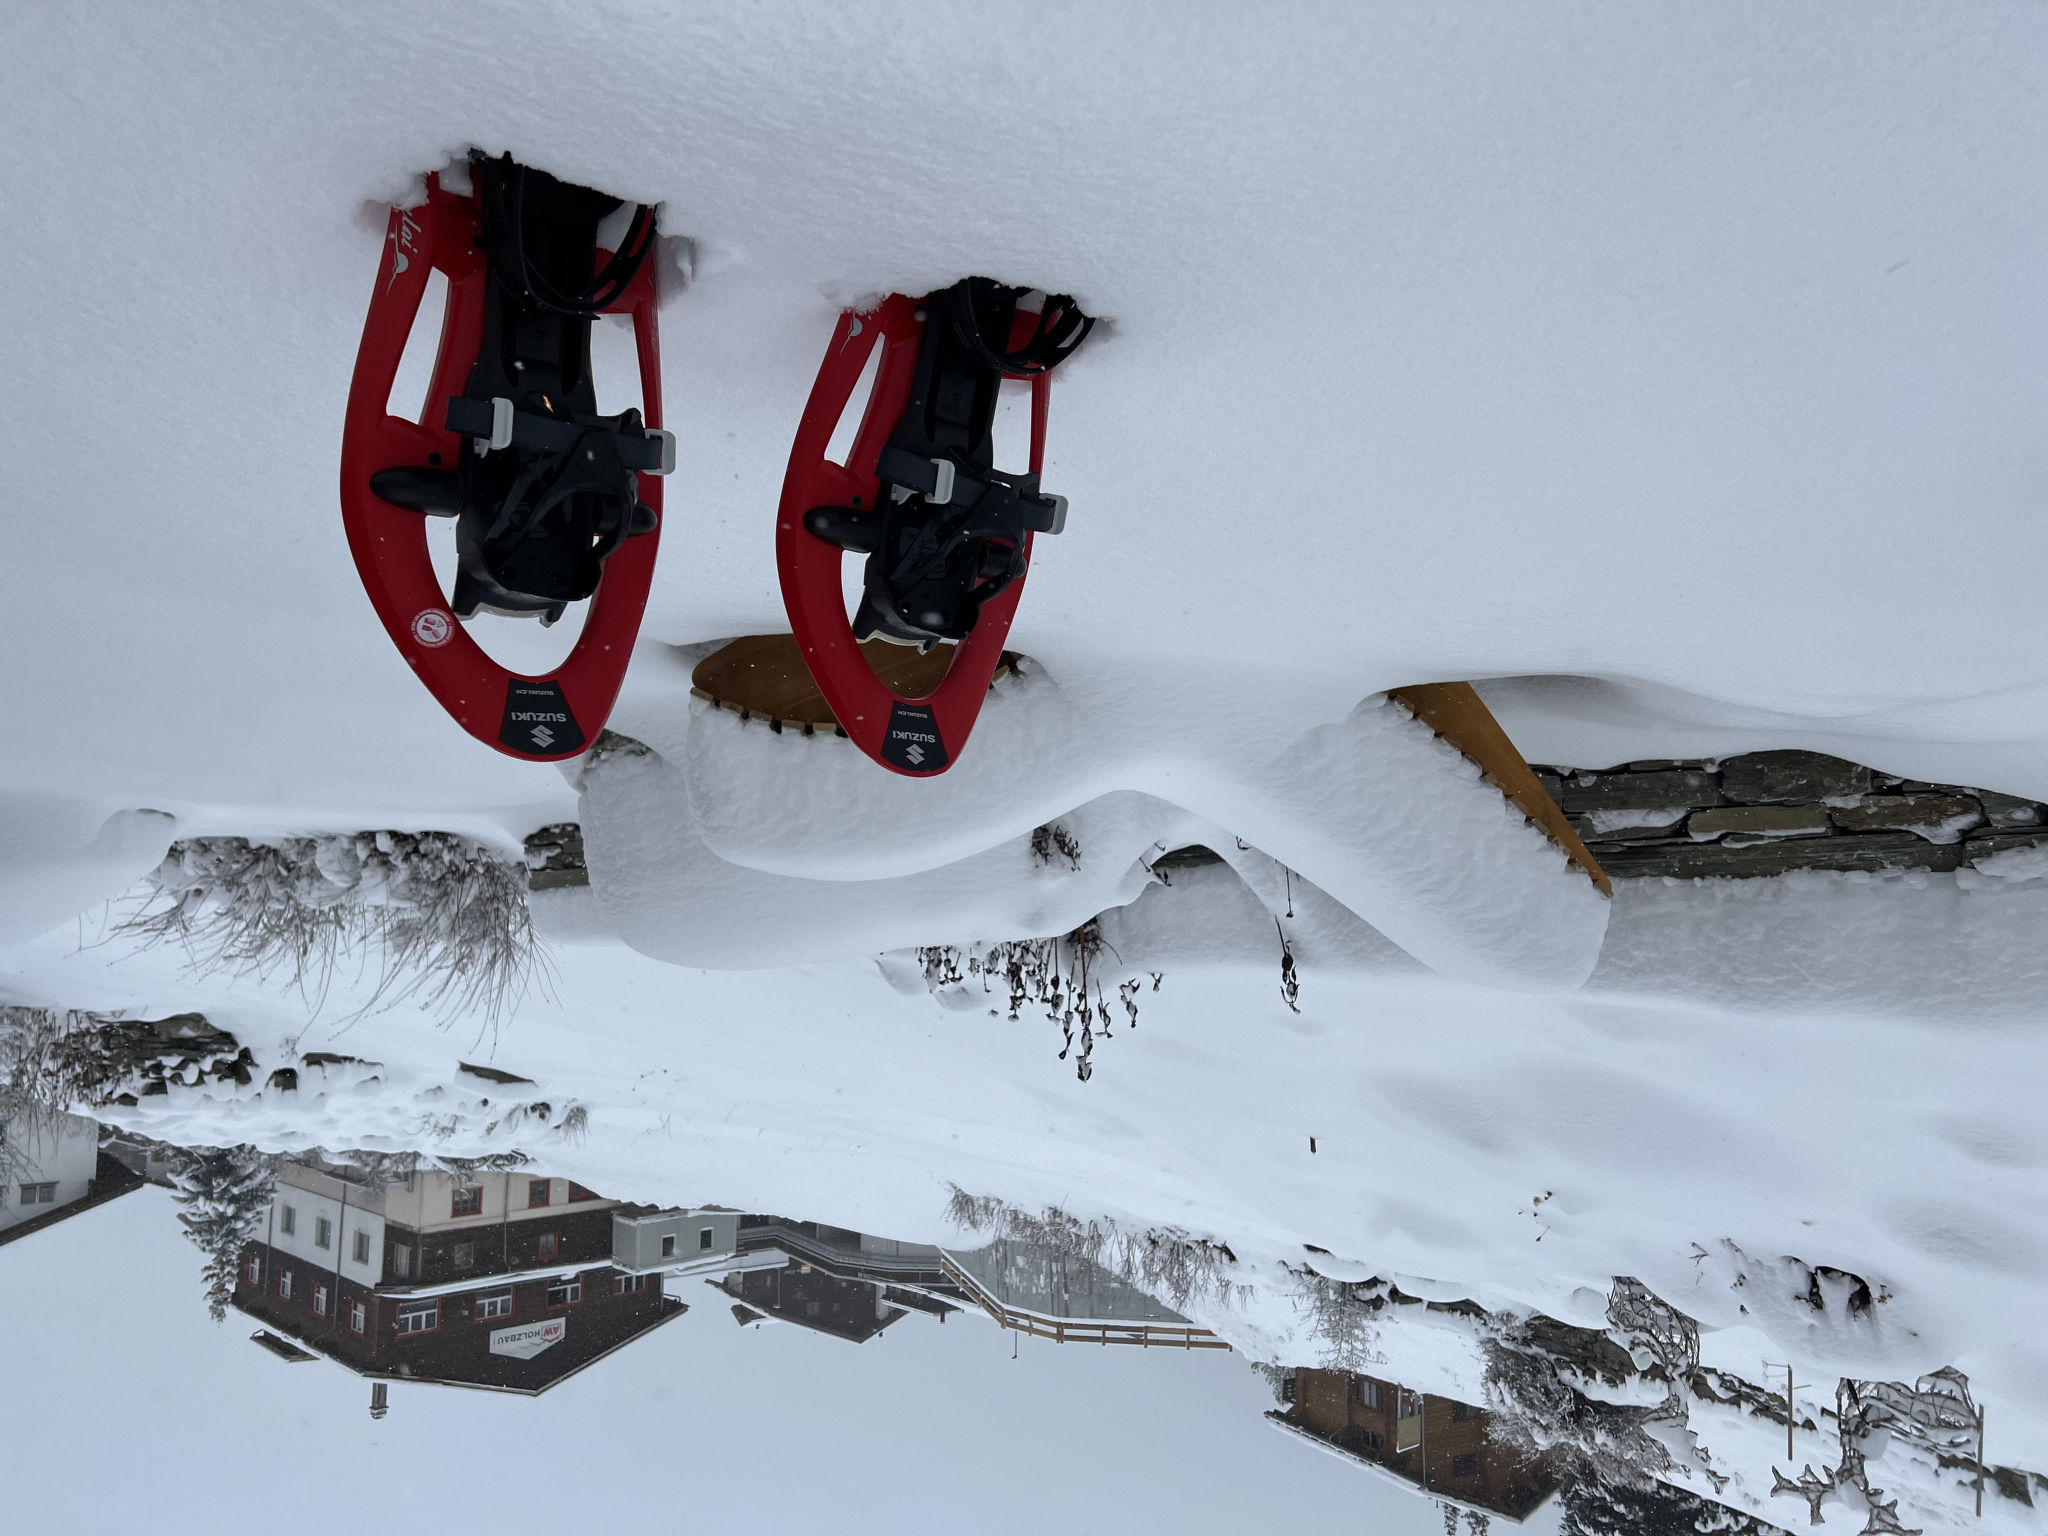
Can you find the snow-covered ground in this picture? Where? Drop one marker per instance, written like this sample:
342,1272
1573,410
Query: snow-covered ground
1681,369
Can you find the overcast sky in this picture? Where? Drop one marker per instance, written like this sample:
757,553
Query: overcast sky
128,1411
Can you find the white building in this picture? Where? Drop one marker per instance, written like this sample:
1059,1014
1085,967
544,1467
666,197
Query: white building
52,1171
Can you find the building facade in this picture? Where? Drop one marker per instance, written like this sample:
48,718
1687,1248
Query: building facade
503,1280
1436,1445
54,1171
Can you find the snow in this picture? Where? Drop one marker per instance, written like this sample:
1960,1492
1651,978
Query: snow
741,846
1676,370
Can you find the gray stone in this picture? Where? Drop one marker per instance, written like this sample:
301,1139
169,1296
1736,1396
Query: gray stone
1662,764
1629,826
1194,856
1767,778
1676,790
2008,810
1986,844
1760,821
556,879
554,857
1938,818
1699,861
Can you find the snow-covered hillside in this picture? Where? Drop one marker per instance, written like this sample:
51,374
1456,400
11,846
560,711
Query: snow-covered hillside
1678,370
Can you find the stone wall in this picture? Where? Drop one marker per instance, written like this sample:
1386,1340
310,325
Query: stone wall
1765,813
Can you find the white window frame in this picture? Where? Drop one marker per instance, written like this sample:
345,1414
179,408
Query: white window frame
571,1292
494,1304
411,1312
358,1317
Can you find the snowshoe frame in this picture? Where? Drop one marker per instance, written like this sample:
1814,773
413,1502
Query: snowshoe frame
540,719
917,736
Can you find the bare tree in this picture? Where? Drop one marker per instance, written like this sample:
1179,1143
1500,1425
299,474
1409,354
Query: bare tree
1167,1262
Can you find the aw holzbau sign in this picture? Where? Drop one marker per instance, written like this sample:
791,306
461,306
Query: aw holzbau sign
525,1342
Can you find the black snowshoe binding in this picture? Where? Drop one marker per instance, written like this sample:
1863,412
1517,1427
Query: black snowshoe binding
546,488
951,533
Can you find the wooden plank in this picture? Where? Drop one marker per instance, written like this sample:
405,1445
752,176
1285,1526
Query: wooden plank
764,677
1457,714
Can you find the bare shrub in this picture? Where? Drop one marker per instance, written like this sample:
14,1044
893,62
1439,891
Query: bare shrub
1061,975
1165,1262
1053,841
445,919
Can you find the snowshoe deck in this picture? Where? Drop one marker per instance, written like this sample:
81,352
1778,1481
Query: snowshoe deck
947,535
553,502
1458,715
763,677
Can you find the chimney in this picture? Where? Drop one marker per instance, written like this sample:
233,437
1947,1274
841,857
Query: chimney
378,1406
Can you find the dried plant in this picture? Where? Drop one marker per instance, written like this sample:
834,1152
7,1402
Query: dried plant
1060,975
1052,841
445,919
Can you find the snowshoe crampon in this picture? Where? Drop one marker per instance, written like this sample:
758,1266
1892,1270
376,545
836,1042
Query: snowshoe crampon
553,503
946,534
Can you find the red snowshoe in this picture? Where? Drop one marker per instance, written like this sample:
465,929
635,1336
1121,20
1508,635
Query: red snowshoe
947,535
553,503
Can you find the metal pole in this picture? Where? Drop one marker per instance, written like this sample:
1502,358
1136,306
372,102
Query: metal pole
1790,1413
1980,1463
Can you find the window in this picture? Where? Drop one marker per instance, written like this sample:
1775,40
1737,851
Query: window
419,1317
467,1202
623,1285
495,1304
284,1284
319,1299
358,1317
668,1246
578,1192
565,1293
38,1194
1365,1393
465,1255
323,1232
536,1192
550,1247
362,1247
252,1270
401,1261
703,1239
1465,1466
1463,1413
287,1220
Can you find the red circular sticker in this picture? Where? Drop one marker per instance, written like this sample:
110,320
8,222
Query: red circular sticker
432,626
